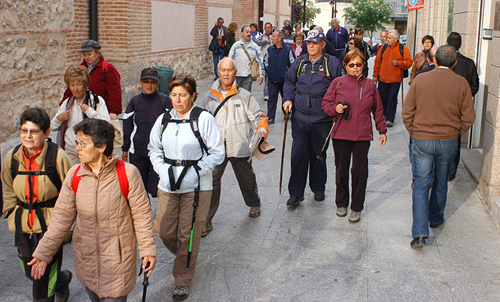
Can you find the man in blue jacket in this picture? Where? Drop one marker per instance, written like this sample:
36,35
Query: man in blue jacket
306,82
338,36
277,60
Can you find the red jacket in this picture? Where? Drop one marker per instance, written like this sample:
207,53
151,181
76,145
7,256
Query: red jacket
109,89
385,69
363,101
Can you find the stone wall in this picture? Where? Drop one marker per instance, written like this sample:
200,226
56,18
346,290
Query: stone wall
32,57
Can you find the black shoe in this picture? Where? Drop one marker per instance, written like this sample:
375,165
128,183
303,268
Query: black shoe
436,225
451,177
270,121
294,201
418,242
62,295
389,124
319,196
266,98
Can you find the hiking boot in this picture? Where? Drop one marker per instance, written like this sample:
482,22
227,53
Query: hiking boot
270,121
341,212
254,212
389,124
206,229
62,294
181,293
354,216
294,201
319,196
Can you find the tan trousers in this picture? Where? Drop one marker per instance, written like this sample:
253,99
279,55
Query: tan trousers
172,224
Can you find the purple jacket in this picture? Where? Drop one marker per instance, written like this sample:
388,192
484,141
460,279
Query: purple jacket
363,100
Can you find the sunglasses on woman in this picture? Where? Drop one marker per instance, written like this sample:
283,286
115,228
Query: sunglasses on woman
355,64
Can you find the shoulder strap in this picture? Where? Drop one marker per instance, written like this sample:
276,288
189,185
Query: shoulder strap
222,104
164,121
402,51
383,50
14,164
193,121
325,66
75,181
50,165
122,178
302,59
105,68
246,52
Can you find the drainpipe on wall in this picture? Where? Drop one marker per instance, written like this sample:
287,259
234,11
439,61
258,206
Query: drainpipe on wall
93,19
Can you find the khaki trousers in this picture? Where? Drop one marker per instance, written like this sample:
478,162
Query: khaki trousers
172,224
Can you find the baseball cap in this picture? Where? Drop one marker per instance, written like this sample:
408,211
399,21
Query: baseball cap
315,36
263,150
90,45
149,73
288,27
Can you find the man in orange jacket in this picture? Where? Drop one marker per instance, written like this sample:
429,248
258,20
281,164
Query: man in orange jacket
390,62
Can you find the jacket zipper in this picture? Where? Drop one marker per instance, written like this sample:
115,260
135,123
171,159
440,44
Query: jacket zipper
97,232
389,65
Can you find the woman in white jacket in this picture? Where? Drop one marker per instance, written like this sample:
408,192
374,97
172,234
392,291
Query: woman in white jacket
185,166
83,104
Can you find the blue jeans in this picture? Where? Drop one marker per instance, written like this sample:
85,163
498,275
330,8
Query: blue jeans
431,162
217,57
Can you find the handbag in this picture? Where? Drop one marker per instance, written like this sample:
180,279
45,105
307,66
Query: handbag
254,65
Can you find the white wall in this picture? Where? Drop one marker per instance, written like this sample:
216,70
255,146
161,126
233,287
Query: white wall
172,25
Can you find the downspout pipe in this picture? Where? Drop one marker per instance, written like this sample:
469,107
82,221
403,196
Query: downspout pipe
93,19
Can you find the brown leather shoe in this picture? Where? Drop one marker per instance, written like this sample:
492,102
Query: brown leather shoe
254,212
206,229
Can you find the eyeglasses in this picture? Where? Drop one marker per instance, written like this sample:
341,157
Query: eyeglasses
350,43
149,82
25,131
83,144
355,64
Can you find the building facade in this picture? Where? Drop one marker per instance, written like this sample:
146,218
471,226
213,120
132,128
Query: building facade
40,40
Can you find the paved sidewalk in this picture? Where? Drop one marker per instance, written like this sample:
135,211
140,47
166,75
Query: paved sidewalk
310,254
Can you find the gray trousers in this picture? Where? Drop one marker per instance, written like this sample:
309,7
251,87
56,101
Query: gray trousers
245,82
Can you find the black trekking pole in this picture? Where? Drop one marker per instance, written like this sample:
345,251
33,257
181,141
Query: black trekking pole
145,283
320,155
195,205
283,150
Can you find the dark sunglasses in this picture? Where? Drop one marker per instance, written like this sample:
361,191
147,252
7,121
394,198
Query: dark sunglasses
350,43
183,79
355,64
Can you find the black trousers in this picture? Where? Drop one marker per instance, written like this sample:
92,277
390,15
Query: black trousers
43,288
343,150
246,180
148,174
389,95
308,139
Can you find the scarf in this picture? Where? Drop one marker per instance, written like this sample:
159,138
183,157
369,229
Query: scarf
64,126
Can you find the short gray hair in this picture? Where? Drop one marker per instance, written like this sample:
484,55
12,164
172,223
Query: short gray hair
225,59
446,55
395,33
282,36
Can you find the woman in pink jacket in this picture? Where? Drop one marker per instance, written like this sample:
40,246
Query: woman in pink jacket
353,131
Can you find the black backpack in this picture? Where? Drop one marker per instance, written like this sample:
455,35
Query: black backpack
402,51
193,121
325,66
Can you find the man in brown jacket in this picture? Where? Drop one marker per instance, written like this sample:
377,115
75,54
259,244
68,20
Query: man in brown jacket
437,111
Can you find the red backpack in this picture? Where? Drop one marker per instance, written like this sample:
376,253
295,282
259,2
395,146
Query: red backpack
122,178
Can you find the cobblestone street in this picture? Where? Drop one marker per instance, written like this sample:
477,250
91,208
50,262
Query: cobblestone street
310,254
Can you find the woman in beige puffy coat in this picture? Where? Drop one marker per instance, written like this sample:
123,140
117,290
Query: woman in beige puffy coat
106,223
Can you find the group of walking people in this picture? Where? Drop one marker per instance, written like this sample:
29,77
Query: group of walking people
178,152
